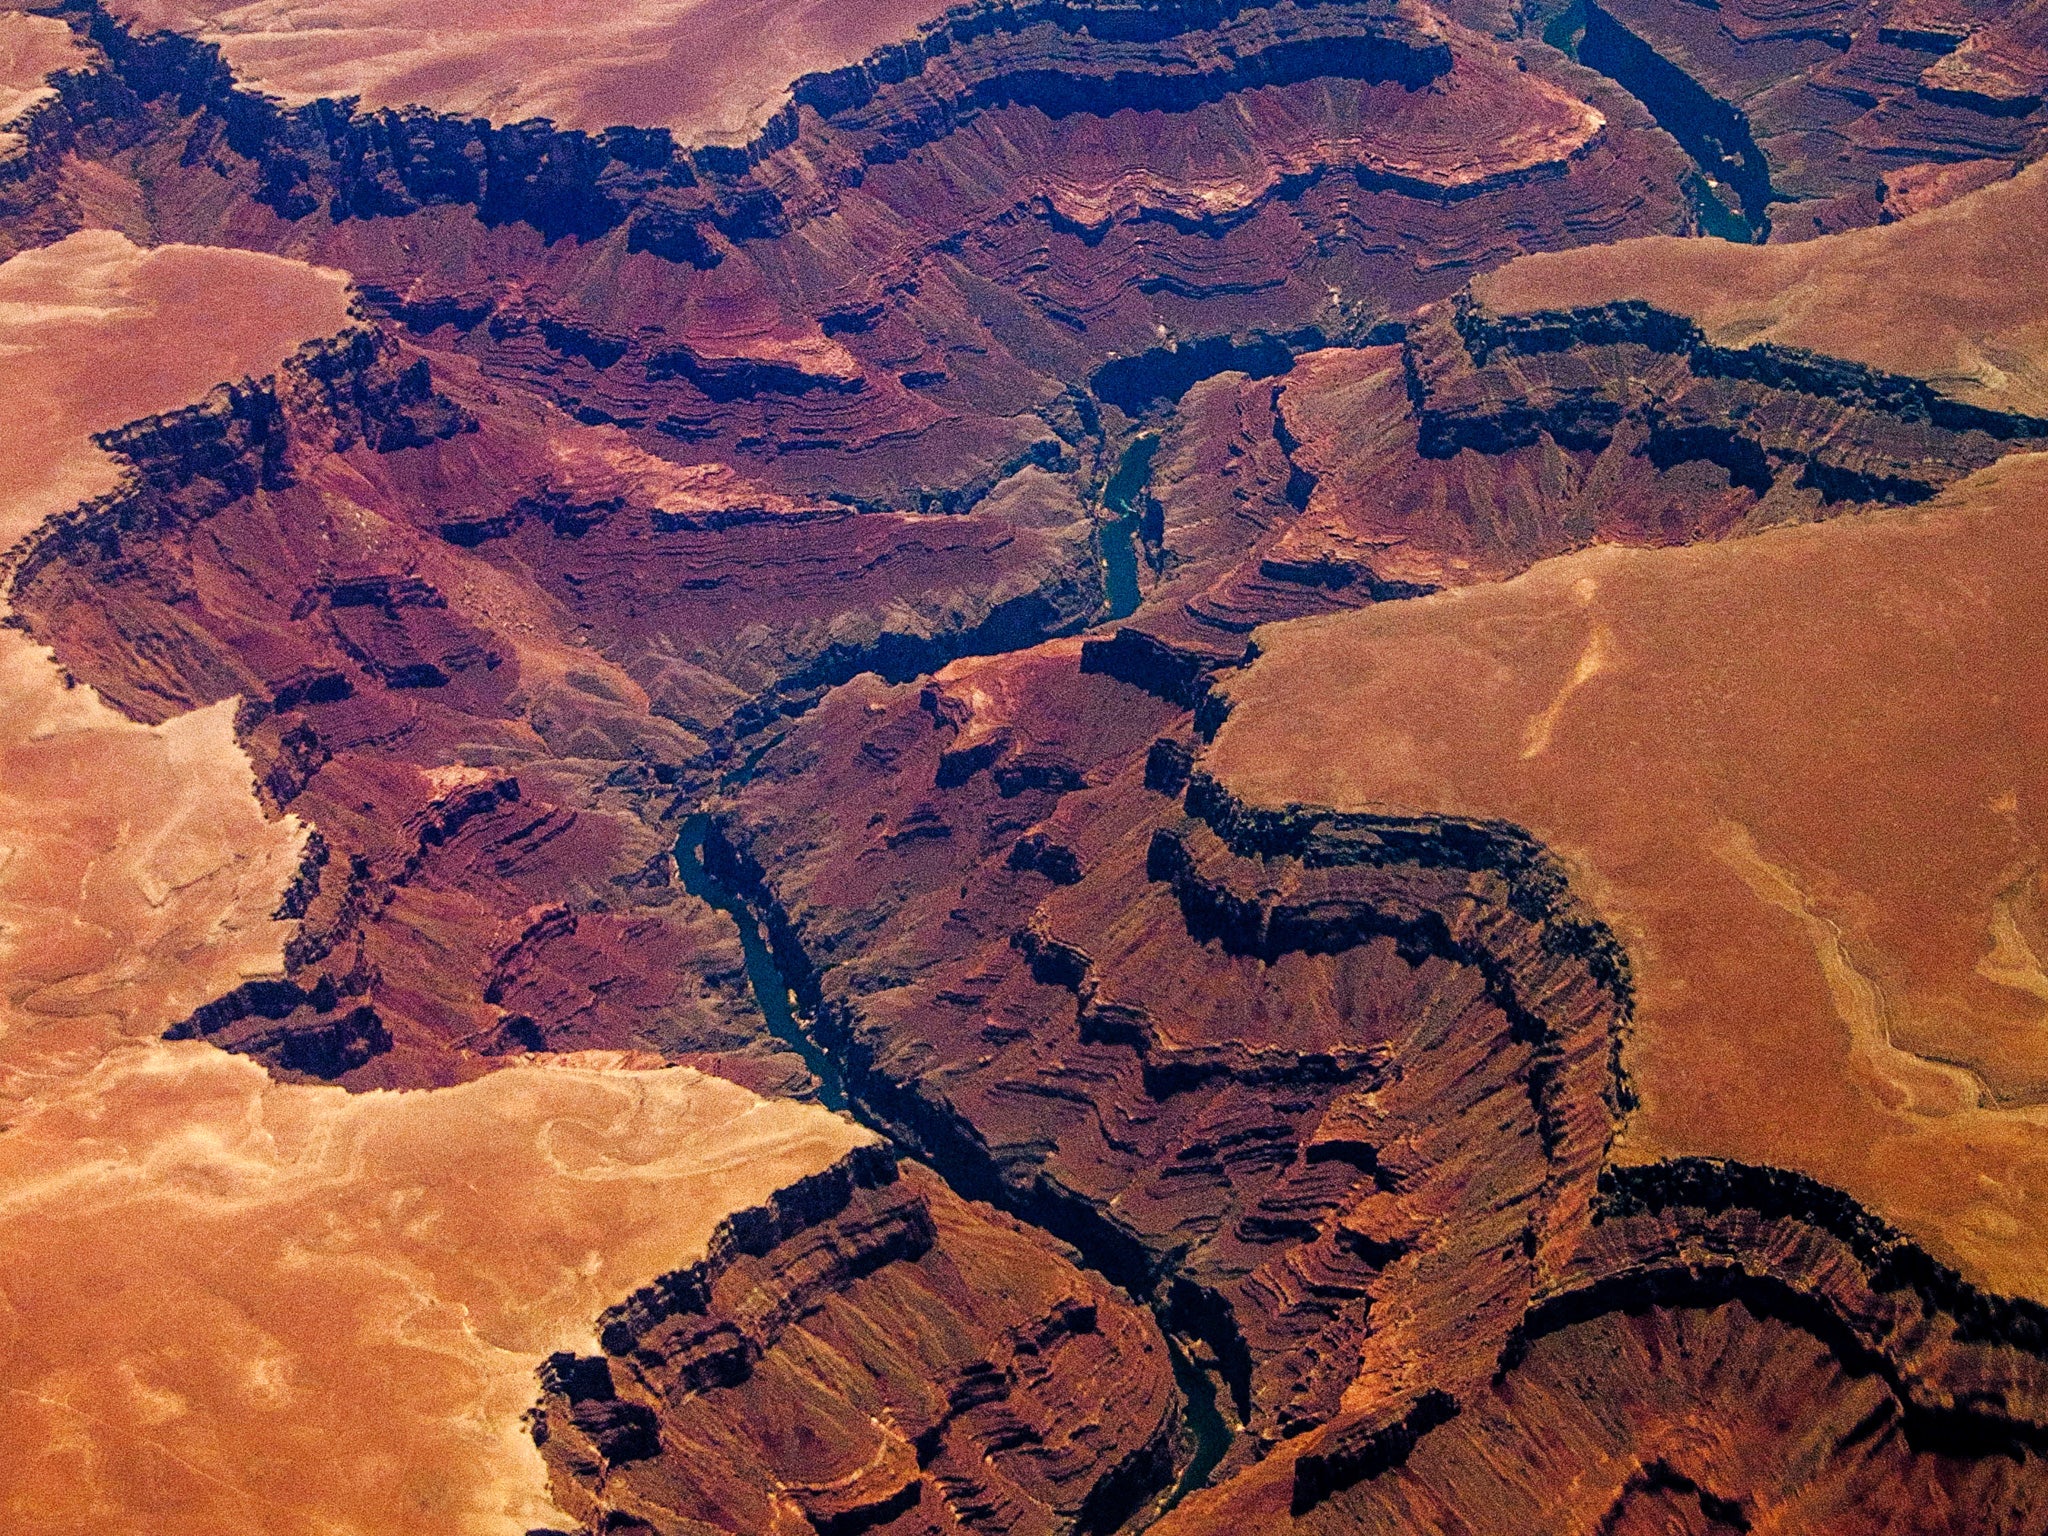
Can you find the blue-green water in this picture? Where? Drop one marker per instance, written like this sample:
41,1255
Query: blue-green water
1211,1434
1124,495
771,992
1566,28
1716,217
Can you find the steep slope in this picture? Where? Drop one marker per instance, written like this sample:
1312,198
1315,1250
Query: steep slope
1647,393
889,294
1804,833
1354,997
883,1357
1812,118
707,72
1406,1062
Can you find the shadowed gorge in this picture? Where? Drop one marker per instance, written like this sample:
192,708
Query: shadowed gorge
1022,769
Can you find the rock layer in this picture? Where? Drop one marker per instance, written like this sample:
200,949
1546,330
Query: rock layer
1814,118
877,1356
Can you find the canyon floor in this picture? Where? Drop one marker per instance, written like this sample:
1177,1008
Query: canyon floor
1072,766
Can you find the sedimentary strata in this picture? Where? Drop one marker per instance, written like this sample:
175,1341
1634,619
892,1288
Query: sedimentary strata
202,1259
1233,1095
890,294
1813,118
476,645
1650,393
869,1354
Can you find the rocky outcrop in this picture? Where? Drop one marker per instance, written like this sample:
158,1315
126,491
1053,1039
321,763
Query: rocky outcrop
1741,1291
1481,442
190,463
1224,1075
867,1353
1856,386
1761,414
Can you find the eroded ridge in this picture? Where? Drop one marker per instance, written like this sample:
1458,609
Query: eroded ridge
1550,1041
1784,1279
894,296
1532,416
1298,1101
203,1260
1814,118
870,1353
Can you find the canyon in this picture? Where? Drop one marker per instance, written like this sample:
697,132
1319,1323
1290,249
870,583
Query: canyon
1058,767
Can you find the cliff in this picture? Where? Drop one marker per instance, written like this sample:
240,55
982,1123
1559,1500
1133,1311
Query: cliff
1817,118
950,162
868,1353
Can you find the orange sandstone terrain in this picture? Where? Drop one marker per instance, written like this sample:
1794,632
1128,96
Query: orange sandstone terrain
712,71
1810,832
202,1260
1815,718
1029,769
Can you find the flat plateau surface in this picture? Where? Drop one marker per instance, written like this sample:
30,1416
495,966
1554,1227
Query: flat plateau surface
710,70
31,48
1803,776
1954,296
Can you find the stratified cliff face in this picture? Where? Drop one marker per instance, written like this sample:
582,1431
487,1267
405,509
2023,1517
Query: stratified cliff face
889,294
871,1354
491,632
1531,417
1733,1349
477,644
1329,1122
1376,1105
1815,117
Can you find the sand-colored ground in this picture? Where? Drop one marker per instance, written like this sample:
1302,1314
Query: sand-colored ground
229,1304
96,332
1805,778
712,70
32,48
236,1306
1957,296
139,875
